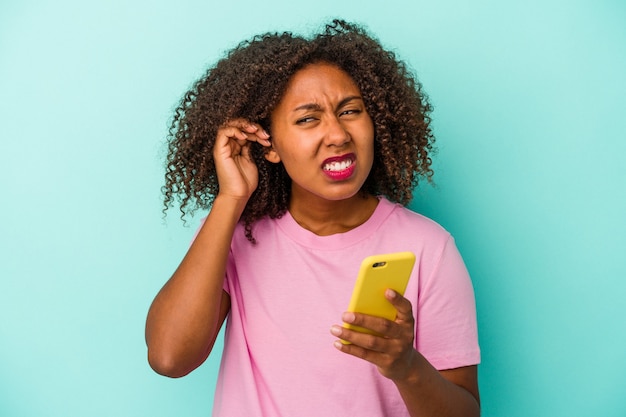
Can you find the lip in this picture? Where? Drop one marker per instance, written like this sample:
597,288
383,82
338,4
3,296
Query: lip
343,174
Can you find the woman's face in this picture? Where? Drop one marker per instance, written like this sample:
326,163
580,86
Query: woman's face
322,134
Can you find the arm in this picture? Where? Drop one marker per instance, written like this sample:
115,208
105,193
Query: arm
425,391
187,314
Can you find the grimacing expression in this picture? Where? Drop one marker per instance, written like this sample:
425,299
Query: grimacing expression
323,134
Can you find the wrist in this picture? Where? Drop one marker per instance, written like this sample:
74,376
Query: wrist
233,202
412,375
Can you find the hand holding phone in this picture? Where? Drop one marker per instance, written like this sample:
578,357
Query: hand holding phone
377,274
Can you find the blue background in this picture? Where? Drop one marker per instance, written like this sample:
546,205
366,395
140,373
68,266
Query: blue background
529,103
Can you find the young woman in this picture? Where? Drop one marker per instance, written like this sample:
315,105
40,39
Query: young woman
305,151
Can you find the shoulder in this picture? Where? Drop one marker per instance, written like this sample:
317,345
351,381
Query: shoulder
403,229
410,221
265,233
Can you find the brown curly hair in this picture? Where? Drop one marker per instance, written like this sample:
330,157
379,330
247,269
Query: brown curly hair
250,81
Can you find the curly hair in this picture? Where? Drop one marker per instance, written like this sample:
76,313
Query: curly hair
249,83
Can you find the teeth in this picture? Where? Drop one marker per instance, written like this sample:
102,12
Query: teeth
337,166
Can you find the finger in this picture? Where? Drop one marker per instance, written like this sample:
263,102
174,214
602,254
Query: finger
231,132
391,363
364,341
254,131
245,151
376,325
233,138
404,308
260,138
358,351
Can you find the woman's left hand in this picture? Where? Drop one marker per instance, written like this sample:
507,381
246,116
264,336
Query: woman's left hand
392,349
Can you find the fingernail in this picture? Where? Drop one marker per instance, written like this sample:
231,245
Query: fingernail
348,317
335,330
391,294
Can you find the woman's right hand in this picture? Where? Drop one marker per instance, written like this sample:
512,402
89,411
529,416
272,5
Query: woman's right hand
237,173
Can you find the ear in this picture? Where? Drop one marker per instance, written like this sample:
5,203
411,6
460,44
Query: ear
271,155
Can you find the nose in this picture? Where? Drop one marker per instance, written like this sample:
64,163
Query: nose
336,133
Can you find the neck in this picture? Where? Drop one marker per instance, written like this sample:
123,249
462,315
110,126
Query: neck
324,217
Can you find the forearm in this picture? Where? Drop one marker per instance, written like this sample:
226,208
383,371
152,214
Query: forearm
426,392
186,315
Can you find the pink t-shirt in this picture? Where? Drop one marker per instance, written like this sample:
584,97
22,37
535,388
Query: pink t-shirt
292,286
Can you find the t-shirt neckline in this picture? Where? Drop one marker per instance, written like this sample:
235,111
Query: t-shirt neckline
288,225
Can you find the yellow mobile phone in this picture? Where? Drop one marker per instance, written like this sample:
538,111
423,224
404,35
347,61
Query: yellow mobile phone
376,274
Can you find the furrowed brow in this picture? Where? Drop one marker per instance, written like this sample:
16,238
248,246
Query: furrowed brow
308,107
348,100
317,107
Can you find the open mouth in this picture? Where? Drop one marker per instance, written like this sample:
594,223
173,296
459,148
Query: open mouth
338,164
340,168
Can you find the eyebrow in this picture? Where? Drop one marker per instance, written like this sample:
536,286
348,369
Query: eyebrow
317,107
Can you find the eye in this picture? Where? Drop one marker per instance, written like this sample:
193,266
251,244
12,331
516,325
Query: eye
305,120
350,112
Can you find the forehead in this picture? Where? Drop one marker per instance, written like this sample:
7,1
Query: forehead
316,83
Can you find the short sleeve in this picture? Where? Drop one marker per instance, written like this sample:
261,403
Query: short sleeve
446,329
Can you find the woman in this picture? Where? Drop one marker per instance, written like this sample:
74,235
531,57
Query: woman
305,151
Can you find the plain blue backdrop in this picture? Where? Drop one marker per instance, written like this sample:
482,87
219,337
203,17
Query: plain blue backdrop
529,99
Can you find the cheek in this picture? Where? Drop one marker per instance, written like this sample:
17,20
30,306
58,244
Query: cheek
294,148
368,143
